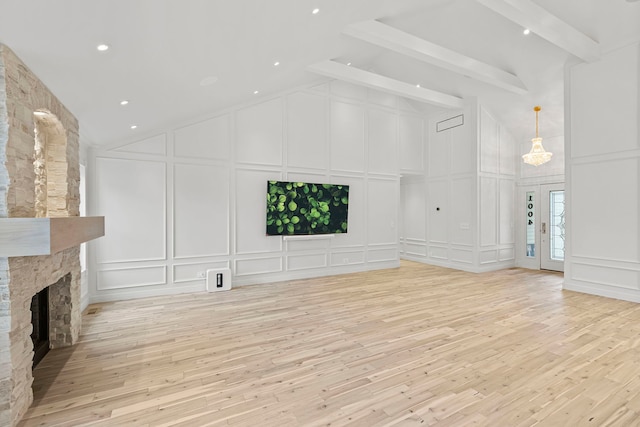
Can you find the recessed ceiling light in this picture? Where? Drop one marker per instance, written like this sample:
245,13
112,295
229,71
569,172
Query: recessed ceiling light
209,80
275,64
526,32
134,126
418,85
315,11
255,92
348,64
102,47
124,102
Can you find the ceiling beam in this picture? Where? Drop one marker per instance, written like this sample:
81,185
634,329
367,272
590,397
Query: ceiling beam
529,15
360,77
383,35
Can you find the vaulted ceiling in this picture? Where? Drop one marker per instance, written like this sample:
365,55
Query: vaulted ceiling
164,52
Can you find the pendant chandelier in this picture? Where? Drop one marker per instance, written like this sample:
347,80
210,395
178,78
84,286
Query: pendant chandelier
537,155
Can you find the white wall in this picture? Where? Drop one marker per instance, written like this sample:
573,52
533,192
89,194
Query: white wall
603,154
496,194
460,212
193,197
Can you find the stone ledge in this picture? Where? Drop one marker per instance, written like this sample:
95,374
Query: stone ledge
46,236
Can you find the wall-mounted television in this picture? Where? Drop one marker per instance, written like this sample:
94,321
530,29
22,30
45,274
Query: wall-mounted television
301,208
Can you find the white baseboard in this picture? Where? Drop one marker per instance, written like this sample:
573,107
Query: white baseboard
197,286
257,279
632,295
484,268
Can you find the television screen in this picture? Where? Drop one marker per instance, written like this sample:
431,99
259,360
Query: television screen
296,208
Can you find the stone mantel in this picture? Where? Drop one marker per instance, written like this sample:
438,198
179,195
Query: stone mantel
46,236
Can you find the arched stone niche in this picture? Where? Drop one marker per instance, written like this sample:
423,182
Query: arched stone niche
50,166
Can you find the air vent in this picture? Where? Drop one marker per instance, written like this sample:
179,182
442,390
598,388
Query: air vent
450,123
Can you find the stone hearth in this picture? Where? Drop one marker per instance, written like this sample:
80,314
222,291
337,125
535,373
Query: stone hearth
39,177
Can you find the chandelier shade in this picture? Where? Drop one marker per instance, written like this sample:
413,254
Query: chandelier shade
537,155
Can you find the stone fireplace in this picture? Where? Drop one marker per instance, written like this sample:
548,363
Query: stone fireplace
39,178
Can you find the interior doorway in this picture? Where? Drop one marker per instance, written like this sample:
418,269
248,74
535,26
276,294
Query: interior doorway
544,234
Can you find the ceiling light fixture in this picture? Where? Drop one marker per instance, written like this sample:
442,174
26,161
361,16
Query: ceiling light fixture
526,32
418,85
124,102
275,64
134,126
255,92
537,155
348,64
315,11
102,47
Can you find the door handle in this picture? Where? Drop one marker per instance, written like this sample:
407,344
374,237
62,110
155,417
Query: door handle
544,228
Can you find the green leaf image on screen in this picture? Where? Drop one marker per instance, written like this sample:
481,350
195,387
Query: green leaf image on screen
304,208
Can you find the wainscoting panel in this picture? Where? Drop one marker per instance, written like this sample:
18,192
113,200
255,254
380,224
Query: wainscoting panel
488,256
208,139
201,210
132,277
245,267
382,254
347,258
488,211
132,195
438,252
382,211
251,208
307,131
347,137
156,145
606,275
305,262
411,143
193,271
438,211
615,235
383,142
413,209
416,248
461,213
507,254
259,133
302,243
506,230
488,143
464,256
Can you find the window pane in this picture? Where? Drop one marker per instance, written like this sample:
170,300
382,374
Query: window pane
556,229
531,224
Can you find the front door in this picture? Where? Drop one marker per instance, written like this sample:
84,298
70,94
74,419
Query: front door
552,227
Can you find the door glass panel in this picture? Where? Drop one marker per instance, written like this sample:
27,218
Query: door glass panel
531,225
556,221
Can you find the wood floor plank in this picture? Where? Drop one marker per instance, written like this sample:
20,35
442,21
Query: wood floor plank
418,345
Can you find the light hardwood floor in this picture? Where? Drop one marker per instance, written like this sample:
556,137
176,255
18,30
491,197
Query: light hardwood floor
418,345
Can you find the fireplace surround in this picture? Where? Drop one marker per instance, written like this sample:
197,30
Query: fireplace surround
39,178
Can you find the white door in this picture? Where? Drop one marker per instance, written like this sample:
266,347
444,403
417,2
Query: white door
552,227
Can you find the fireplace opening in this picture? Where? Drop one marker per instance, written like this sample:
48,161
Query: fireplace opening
40,322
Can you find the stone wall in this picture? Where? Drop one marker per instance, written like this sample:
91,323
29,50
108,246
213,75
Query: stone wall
22,94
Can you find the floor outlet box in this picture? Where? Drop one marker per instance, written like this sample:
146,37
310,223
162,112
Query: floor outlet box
218,280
